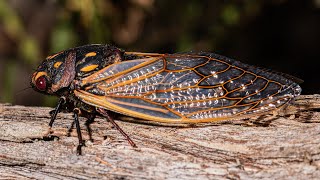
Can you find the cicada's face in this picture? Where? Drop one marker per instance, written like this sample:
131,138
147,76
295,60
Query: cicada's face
40,80
55,73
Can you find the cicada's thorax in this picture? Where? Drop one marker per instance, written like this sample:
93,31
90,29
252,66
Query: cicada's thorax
94,58
59,71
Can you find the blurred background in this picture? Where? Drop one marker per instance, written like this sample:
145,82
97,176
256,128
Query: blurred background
282,35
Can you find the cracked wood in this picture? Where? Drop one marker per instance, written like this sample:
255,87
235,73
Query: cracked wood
282,147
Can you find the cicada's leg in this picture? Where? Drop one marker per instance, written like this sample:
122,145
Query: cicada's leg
266,120
105,114
76,113
54,112
70,129
90,120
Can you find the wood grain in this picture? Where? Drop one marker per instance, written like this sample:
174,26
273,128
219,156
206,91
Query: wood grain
282,148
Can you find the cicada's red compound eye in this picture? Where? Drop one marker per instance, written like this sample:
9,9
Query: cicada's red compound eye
41,83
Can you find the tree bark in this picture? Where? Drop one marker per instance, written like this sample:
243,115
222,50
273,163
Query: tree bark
271,147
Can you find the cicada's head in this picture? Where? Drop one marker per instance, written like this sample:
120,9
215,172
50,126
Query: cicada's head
55,73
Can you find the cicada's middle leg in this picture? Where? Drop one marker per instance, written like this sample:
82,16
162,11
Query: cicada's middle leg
76,113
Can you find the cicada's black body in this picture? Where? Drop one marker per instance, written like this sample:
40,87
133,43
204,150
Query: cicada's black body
167,88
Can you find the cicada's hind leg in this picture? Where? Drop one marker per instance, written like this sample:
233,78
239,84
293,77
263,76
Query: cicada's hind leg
104,113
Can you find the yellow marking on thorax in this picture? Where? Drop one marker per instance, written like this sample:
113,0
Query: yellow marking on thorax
57,64
91,54
89,68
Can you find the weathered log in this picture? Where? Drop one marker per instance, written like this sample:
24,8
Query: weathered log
287,146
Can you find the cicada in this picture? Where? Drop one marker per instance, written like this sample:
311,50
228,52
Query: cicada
177,88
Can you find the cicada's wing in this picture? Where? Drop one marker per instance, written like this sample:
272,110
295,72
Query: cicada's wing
186,88
126,88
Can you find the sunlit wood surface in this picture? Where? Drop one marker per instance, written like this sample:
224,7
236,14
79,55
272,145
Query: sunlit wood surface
275,148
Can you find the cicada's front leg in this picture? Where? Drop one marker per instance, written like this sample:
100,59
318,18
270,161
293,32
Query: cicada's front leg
56,110
53,114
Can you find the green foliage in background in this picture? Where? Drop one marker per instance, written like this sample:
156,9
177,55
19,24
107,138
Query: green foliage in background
31,30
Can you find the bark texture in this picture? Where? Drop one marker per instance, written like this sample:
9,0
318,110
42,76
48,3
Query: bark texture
268,147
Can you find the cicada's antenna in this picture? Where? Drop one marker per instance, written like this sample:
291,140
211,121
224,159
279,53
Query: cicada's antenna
22,90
